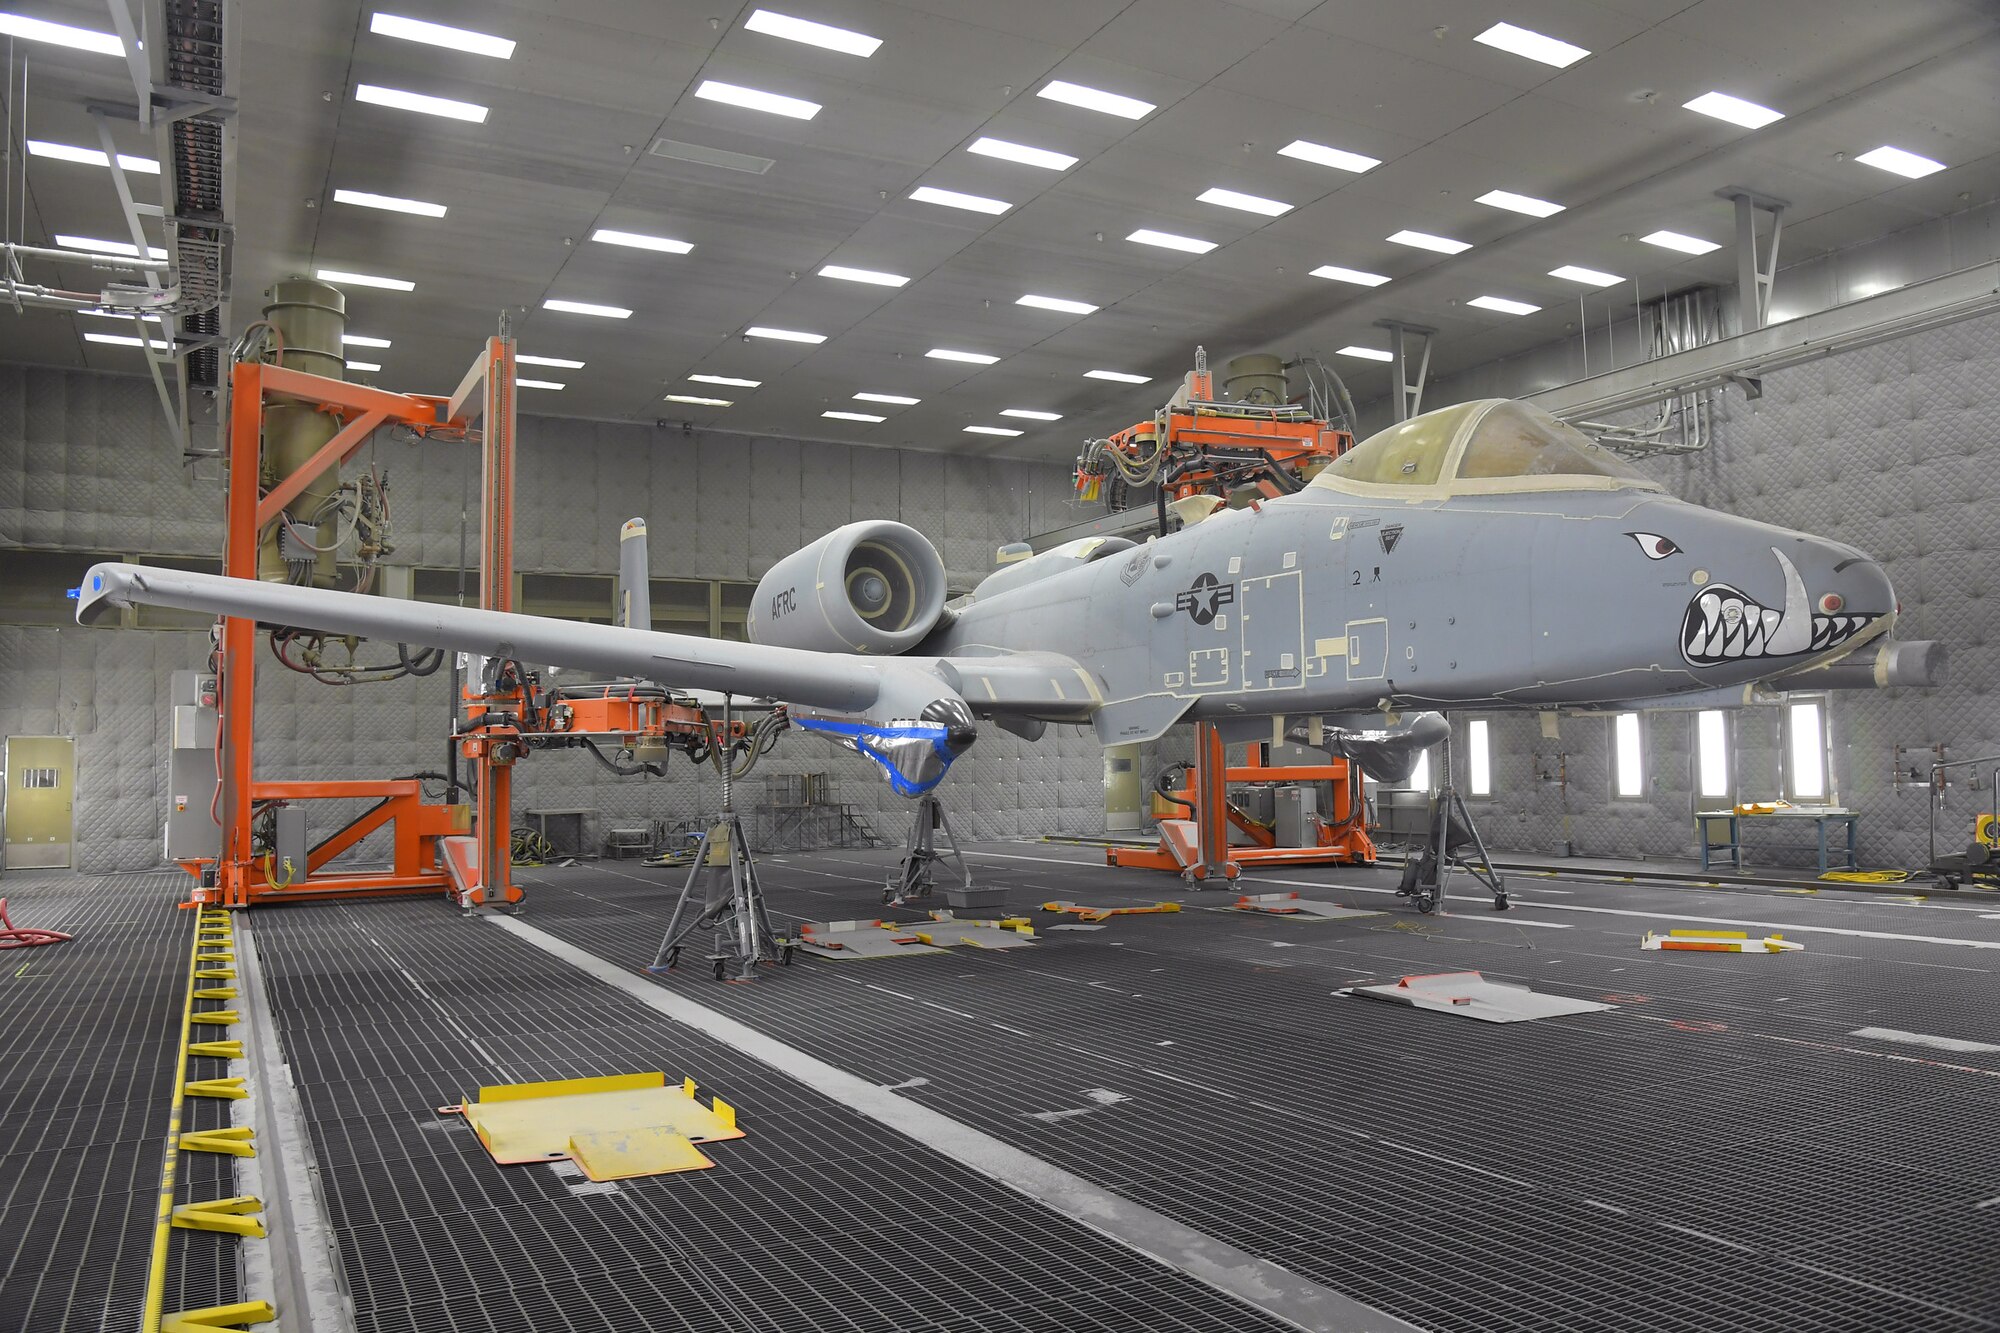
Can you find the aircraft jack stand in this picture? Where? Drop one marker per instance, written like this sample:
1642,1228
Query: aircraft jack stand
1451,829
913,877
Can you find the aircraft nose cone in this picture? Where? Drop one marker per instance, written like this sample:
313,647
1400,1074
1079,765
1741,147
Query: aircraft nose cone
1827,595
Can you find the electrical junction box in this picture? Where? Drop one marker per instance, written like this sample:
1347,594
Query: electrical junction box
191,831
288,845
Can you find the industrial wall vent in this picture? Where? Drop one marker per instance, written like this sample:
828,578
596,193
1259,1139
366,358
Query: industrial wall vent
710,157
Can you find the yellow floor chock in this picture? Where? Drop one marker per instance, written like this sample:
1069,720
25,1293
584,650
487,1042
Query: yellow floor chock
210,1318
1083,913
1718,941
237,1216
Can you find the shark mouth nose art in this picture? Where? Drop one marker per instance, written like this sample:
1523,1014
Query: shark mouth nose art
1725,625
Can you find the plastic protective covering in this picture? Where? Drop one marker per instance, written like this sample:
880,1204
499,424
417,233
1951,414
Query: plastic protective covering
1516,440
1409,453
1488,444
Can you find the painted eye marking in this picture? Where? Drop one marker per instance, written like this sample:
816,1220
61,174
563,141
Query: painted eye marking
1655,546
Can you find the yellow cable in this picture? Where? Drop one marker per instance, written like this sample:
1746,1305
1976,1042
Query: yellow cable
1868,876
156,1278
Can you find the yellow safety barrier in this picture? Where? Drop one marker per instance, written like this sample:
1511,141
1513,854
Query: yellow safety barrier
209,1319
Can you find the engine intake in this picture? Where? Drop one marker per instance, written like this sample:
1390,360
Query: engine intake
873,587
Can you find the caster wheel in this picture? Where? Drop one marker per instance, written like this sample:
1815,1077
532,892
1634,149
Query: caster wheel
1426,903
785,955
1500,903
673,958
721,968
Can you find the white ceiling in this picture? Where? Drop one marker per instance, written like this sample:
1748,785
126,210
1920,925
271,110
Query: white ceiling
594,82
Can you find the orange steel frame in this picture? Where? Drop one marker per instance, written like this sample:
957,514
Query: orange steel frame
1343,840
241,878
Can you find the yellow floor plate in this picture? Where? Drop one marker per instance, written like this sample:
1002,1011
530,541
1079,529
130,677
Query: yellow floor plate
537,1122
622,1154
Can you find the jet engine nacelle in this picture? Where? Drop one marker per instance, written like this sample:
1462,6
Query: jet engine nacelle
875,587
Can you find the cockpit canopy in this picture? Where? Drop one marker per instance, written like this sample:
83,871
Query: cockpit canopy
1488,446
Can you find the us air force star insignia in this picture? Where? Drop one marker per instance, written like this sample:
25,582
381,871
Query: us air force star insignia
1204,598
1390,535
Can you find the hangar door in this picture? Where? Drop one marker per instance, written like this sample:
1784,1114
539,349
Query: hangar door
41,801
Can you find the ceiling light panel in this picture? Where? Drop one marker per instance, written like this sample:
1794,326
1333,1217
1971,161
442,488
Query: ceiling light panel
894,399
60,34
1531,45
553,362
388,203
973,203
1366,353
1248,203
1057,303
773,24
1166,240
1338,158
1117,376
729,381
754,99
1022,153
531,384
437,34
1095,99
783,335
699,401
1335,273
1519,203
122,314
973,358
63,152
1423,240
1734,110
100,247
665,245
990,430
587,308
420,102
867,275
1687,245
1900,161
373,366
1030,414
853,416
342,278
125,340
1503,305
1589,277
362,340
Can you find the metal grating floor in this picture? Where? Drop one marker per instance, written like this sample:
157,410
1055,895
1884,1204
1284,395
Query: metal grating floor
88,1034
1717,1153
819,1220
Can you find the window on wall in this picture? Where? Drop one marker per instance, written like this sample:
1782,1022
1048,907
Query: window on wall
1711,752
1805,750
1628,761
1420,776
1479,757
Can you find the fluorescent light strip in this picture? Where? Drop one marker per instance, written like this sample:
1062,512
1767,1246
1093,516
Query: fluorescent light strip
1057,303
1166,240
1117,377
853,416
125,340
361,340
666,245
1503,305
947,354
867,275
1519,203
1423,240
420,102
118,314
537,384
60,34
1022,153
990,430
388,203
554,362
1336,273
1095,99
1900,161
1588,276
1531,45
1687,245
338,276
1734,110
370,366
895,399
1366,353
753,99
1031,415
783,335
587,308
437,34
1305,150
698,401
90,157
98,247
729,381
773,24
972,203
1247,203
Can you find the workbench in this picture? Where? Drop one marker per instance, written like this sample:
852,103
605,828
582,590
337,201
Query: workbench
1820,817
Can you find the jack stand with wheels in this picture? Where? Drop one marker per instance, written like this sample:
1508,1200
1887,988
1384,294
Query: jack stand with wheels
731,903
913,878
1451,829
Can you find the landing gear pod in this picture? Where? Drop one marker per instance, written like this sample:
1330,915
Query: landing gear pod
874,587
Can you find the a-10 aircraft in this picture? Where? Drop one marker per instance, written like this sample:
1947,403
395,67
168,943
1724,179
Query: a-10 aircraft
1481,556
